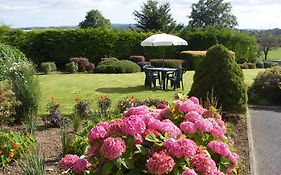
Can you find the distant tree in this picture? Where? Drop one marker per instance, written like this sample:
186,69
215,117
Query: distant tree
212,13
267,41
154,18
95,19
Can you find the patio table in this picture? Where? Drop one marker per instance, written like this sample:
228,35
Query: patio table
163,73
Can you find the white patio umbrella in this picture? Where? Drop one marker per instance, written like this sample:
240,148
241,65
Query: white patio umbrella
163,39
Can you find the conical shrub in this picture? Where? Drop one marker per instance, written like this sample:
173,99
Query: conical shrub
221,76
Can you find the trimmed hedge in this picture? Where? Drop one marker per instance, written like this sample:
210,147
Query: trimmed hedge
219,73
167,62
113,65
192,58
58,45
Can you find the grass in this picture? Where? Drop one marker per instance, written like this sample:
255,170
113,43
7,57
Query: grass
67,87
274,54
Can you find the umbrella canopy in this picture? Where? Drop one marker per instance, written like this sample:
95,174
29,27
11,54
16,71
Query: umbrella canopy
163,39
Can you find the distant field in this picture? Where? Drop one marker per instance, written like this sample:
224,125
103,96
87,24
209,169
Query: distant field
273,54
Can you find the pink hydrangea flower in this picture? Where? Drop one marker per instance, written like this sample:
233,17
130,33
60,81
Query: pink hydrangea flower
193,116
203,125
139,110
219,147
134,125
165,111
195,100
113,148
188,106
160,163
233,157
154,124
81,165
155,113
138,139
188,127
169,127
181,148
189,172
92,150
104,125
97,133
203,164
216,130
68,161
116,126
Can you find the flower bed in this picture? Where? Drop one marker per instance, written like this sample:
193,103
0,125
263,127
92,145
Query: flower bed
182,139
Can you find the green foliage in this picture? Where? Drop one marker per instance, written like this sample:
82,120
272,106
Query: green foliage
66,138
13,146
244,66
79,145
244,45
8,56
16,68
251,65
8,103
268,64
117,66
47,67
154,18
192,59
212,13
221,74
95,19
32,163
71,67
167,62
266,88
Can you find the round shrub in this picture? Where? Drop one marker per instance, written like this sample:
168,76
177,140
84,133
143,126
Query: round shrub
113,65
47,67
244,66
219,73
268,64
83,64
8,56
266,88
251,65
259,64
71,67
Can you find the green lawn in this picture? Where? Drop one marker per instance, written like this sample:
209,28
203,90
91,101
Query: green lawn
67,87
273,54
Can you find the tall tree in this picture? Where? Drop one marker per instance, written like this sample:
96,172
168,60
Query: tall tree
155,18
267,41
95,19
212,13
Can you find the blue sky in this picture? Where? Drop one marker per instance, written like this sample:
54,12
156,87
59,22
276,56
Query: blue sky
251,14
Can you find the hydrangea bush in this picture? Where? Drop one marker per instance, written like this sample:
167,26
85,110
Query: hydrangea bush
180,139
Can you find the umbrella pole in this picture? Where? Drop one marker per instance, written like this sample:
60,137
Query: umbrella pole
163,62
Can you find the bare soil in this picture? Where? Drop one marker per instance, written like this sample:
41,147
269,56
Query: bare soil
49,143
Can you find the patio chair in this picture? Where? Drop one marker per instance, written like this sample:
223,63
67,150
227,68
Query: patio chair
150,77
175,78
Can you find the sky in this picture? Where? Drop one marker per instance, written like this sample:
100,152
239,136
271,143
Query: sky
251,14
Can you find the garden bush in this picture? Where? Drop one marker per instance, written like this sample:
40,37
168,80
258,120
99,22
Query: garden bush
167,62
192,58
113,65
266,89
268,64
71,67
13,145
182,139
47,67
244,66
83,64
259,64
20,73
251,65
220,73
140,60
8,104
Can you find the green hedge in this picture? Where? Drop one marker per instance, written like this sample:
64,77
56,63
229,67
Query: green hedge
192,58
58,45
167,62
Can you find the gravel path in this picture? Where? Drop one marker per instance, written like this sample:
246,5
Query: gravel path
265,128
